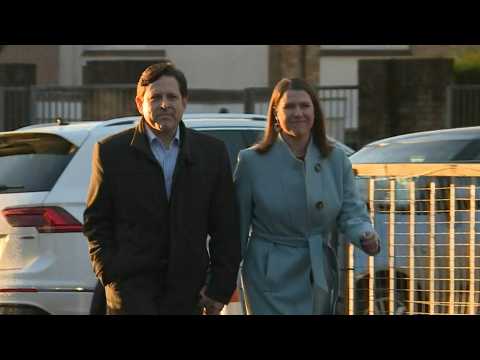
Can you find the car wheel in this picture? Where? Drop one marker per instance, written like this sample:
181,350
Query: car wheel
381,295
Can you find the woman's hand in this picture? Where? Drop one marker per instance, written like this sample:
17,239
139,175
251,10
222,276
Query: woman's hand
370,243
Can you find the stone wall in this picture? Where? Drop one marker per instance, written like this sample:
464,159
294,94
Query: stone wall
44,57
294,61
15,103
399,96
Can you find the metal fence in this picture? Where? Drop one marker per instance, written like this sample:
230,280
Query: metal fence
428,216
463,103
340,105
21,106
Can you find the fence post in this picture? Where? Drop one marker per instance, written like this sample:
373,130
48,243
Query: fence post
249,101
2,108
33,108
449,115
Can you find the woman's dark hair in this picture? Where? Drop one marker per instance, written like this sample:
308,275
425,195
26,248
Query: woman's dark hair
318,131
164,67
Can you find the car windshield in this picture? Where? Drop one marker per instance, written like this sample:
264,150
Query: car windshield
32,162
464,150
440,151
236,140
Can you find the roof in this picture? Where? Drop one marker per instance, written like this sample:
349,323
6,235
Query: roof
193,120
468,133
76,132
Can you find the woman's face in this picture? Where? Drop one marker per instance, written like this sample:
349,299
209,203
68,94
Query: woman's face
295,113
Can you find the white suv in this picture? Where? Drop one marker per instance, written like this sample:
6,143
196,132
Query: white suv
44,176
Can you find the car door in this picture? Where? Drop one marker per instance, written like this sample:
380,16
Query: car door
236,139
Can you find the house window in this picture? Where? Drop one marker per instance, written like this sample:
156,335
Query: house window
118,64
91,52
114,71
365,50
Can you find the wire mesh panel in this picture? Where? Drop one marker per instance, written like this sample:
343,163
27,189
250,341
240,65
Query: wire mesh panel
427,216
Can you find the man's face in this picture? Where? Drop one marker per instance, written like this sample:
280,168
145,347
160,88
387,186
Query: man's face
162,105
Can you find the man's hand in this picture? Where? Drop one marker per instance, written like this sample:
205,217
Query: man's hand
210,306
370,243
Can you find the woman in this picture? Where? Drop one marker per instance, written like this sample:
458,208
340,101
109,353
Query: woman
294,188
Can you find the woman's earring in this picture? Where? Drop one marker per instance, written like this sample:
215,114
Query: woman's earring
276,125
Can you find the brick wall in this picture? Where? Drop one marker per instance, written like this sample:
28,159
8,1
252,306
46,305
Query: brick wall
114,71
15,102
399,96
312,64
374,108
294,61
45,57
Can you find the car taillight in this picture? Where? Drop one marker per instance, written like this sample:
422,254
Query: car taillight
44,219
17,290
235,297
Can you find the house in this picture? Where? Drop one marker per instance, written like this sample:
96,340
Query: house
219,74
206,66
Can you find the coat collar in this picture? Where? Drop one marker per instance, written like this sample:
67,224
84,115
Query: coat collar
312,155
153,138
140,142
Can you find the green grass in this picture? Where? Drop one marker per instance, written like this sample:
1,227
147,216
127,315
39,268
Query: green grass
467,67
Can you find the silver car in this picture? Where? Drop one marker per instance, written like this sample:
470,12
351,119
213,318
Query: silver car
431,254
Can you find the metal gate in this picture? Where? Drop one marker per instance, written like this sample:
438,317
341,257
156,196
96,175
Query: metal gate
340,106
22,106
429,220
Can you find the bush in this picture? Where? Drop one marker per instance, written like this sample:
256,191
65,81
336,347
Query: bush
467,67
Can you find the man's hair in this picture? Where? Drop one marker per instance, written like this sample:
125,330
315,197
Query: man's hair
164,67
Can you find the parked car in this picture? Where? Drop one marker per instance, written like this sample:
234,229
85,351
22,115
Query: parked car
451,146
44,176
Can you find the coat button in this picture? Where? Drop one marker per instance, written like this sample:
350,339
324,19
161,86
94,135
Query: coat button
318,167
319,205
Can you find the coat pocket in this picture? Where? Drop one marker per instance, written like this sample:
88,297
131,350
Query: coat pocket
126,236
330,267
287,269
267,266
256,265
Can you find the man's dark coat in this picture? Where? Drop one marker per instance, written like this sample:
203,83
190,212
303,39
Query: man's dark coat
150,252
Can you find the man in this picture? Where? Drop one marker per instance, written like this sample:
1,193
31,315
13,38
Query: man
155,194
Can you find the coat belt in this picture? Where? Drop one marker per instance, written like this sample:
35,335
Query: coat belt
315,243
292,241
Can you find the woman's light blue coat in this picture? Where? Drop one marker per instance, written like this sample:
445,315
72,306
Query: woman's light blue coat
291,208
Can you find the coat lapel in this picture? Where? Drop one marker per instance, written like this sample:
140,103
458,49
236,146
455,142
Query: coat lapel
140,141
184,159
185,156
141,145
292,179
